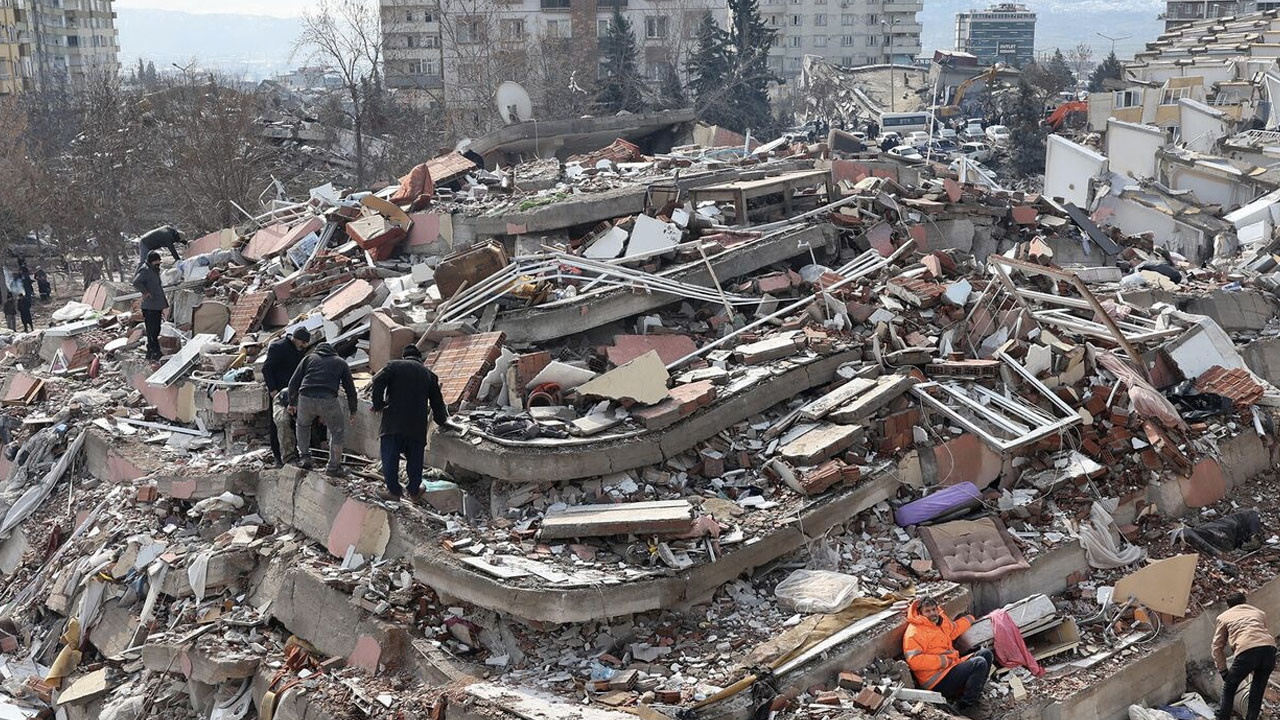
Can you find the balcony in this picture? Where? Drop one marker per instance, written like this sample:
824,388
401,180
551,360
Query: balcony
400,81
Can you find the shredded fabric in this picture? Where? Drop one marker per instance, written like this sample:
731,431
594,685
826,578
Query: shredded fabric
1099,539
1011,649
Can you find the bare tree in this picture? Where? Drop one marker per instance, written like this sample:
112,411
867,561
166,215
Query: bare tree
1080,58
345,36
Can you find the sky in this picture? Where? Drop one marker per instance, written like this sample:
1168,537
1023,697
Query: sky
276,8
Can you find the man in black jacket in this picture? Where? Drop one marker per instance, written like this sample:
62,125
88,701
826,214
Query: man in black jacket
283,357
147,281
165,236
402,392
313,395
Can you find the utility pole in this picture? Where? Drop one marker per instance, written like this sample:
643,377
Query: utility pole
893,93
1113,40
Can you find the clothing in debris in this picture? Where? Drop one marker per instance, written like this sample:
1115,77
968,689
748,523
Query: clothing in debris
1239,530
1010,648
403,391
165,236
321,374
929,647
1258,662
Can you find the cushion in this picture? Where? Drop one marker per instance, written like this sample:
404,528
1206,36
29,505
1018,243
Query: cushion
937,504
972,550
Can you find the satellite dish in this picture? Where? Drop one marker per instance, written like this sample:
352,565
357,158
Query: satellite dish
514,104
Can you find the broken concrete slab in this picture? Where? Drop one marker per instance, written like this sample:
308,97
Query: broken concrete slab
824,441
642,380
661,517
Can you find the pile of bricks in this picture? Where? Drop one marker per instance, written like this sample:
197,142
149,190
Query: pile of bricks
462,361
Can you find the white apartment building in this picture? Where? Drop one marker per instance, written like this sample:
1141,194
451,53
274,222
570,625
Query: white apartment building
71,40
845,32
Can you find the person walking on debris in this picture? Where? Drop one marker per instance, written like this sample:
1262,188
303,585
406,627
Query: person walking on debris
402,392
313,394
165,236
42,282
147,282
11,311
283,357
933,659
1244,628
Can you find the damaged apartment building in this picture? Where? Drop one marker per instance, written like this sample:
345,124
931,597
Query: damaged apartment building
721,414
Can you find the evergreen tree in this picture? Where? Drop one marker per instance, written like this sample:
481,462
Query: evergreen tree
749,40
1060,71
1026,132
140,74
1108,69
152,79
709,67
670,90
621,87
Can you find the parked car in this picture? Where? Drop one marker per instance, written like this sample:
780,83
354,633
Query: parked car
907,152
917,138
948,134
890,136
973,130
978,151
998,134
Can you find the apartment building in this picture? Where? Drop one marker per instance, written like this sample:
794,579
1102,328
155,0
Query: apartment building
1181,12
851,33
1003,33
50,42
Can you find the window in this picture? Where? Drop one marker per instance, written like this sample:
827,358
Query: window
511,29
775,20
846,41
797,20
1171,96
820,41
873,19
871,40
408,17
655,26
411,41
431,41
1126,99
470,30
820,20
559,29
848,19
794,41
602,28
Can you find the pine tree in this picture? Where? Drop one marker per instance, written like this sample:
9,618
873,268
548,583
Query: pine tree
1060,71
621,87
749,40
1108,69
709,67
670,90
1026,132
152,79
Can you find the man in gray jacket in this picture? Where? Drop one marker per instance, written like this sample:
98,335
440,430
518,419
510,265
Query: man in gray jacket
313,394
147,282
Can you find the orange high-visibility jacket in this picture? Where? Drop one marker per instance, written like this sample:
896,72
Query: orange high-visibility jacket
928,648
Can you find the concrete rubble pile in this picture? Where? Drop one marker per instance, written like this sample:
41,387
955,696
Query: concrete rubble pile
719,417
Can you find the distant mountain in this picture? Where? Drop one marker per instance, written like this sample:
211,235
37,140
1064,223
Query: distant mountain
255,46
1059,23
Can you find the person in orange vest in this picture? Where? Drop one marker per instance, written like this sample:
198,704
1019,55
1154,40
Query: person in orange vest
934,660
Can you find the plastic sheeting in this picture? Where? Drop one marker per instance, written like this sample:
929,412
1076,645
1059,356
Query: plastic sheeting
1100,540
817,591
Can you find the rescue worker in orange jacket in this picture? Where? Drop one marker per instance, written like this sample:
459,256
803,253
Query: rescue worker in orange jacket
933,658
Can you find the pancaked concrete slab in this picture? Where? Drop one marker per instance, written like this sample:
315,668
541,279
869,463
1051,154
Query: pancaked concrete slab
1235,311
224,569
110,460
588,457
547,322
209,666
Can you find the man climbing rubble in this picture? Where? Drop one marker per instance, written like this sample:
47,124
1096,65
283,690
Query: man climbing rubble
402,392
313,394
147,282
933,659
165,236
283,357
1244,628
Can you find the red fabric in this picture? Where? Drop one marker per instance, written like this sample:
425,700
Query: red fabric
1011,649
416,187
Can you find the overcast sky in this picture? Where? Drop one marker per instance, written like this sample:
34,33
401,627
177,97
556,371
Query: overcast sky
278,8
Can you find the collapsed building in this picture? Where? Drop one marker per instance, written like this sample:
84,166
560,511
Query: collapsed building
723,412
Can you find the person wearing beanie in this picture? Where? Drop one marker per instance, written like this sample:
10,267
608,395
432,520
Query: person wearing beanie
313,395
147,281
283,357
403,390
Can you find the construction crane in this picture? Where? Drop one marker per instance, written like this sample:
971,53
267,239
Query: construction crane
987,76
1059,115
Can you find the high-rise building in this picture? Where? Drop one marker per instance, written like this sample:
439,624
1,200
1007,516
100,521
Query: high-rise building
15,50
1004,33
62,41
852,33
1182,12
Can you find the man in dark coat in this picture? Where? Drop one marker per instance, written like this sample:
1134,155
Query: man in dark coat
165,236
147,282
283,357
403,390
313,395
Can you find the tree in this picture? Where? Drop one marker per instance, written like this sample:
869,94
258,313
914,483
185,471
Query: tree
671,93
1108,69
345,37
1060,72
1080,58
709,67
621,87
1026,132
750,39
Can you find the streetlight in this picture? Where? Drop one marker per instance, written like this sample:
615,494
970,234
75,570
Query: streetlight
887,25
1113,40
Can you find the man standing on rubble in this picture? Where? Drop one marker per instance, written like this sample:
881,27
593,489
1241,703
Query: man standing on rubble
283,357
165,236
147,282
402,392
1244,628
313,395
933,659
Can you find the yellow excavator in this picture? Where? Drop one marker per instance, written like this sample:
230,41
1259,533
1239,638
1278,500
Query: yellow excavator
987,76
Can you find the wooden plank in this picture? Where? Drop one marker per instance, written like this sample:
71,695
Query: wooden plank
648,518
179,364
851,390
